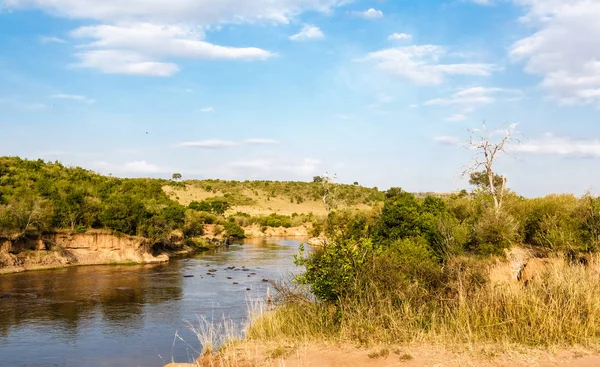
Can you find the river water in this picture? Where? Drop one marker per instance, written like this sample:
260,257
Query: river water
129,315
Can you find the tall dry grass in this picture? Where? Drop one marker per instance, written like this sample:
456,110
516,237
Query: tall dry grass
559,307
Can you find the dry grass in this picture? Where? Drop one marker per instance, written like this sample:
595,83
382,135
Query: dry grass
554,320
263,203
561,307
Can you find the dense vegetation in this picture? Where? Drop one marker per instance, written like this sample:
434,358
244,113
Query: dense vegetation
295,192
38,197
422,269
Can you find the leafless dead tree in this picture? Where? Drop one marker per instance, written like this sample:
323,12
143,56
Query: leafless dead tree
328,183
490,144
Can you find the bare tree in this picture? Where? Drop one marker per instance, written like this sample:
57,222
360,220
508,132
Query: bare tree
329,198
490,144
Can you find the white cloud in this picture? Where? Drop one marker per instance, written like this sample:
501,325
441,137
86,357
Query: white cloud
209,144
35,106
207,109
400,37
302,168
134,167
564,49
369,14
74,97
560,146
202,12
141,167
51,39
308,32
124,62
261,141
483,2
457,117
474,96
446,140
258,164
140,48
421,64
382,99
344,116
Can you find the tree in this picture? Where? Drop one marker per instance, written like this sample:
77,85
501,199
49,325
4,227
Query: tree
329,191
317,179
488,149
480,179
355,183
177,176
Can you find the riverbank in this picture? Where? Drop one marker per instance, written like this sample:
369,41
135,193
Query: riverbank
60,250
249,354
103,247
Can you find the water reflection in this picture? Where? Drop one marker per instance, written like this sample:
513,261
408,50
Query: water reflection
128,315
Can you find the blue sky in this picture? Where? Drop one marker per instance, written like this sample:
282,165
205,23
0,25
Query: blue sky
377,91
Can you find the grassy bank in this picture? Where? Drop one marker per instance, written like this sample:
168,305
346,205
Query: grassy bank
560,307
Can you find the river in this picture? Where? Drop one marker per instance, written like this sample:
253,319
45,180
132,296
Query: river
129,315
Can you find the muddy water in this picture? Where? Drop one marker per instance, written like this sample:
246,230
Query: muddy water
130,315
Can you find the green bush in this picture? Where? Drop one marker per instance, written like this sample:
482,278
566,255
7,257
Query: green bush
194,224
234,230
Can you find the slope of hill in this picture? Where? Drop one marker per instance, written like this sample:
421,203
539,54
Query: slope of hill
266,197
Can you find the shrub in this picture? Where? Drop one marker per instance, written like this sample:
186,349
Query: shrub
494,232
194,224
233,229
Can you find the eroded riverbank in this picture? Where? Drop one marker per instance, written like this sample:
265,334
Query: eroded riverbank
129,315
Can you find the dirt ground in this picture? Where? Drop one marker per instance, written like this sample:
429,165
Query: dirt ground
333,356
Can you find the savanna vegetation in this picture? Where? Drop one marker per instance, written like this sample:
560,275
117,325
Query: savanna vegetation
420,270
440,269
38,197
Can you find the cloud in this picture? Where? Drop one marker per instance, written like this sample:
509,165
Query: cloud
559,146
202,12
51,39
382,99
304,167
145,37
259,164
475,96
141,48
308,32
207,109
446,140
369,14
400,37
482,2
209,144
261,141
457,117
141,167
74,97
421,64
35,106
134,167
344,116
564,49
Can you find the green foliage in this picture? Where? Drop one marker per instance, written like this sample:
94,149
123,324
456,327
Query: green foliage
234,230
234,192
38,196
123,214
194,223
481,180
331,271
214,205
